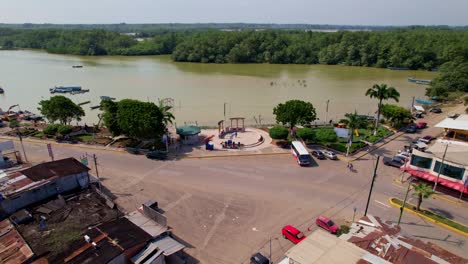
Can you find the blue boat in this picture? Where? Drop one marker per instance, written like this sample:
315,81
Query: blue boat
65,89
423,101
419,81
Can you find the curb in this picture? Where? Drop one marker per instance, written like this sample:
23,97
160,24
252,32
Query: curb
234,155
428,218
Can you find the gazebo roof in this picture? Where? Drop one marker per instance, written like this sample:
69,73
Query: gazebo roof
188,130
234,118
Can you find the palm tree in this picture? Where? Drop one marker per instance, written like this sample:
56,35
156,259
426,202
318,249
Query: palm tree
168,117
354,121
422,191
382,92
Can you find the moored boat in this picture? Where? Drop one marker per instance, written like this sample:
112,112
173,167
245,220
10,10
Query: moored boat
77,66
65,89
105,97
1,90
419,81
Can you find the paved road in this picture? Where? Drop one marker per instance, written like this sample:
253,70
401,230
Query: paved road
227,208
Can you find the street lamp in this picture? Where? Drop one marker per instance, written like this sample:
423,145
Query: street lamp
402,208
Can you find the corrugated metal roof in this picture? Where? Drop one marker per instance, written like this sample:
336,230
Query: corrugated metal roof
13,248
321,247
147,224
460,123
58,168
168,245
17,182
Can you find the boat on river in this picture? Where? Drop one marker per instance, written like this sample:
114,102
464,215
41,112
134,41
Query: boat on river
77,66
398,68
105,97
67,89
1,90
419,81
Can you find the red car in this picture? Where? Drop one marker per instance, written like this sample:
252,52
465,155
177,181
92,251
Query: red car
293,234
421,125
327,224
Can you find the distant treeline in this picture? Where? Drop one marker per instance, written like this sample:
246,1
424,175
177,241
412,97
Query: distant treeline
414,48
149,28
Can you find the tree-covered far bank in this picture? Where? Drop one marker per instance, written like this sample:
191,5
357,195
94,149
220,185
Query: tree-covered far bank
414,48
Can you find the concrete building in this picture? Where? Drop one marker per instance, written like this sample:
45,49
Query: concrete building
22,188
452,149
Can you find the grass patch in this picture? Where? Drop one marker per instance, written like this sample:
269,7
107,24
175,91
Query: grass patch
85,138
39,134
58,238
433,216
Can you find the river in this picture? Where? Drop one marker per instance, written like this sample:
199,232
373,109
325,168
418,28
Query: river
200,92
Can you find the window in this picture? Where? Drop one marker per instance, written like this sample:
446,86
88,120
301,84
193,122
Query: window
449,170
421,162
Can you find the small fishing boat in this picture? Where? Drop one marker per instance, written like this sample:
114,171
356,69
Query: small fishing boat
419,81
65,89
1,90
77,66
398,68
424,102
95,107
105,97
80,92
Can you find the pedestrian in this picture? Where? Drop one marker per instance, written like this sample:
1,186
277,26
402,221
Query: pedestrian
235,134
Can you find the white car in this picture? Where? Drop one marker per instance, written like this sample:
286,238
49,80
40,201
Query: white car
330,154
403,153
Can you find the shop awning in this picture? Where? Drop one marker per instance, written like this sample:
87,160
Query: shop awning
430,177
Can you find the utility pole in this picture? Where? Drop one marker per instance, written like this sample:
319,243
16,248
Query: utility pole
22,145
404,201
440,167
372,184
225,111
97,172
412,105
269,259
326,115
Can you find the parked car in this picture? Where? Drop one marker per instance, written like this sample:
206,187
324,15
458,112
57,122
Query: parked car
410,129
258,258
418,115
393,162
157,155
330,154
426,139
405,153
436,110
318,154
327,224
421,125
453,115
293,234
402,155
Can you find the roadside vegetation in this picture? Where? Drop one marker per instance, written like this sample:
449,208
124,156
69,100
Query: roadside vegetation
435,217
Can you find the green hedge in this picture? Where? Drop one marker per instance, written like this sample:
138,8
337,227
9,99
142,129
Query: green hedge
306,134
278,132
325,135
53,129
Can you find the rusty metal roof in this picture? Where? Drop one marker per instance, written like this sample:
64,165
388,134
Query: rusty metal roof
58,168
385,240
16,182
13,248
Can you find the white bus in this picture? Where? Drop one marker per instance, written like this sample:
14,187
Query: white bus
300,153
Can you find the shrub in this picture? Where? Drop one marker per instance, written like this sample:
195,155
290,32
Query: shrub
325,135
306,134
64,130
279,132
344,229
51,130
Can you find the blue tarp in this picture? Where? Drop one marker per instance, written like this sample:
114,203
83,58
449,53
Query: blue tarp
188,130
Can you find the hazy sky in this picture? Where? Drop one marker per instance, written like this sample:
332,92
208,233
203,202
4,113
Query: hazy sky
356,12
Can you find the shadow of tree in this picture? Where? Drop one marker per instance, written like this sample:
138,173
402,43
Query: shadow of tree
441,212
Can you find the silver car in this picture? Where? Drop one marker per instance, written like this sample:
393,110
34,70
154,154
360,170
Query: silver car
330,154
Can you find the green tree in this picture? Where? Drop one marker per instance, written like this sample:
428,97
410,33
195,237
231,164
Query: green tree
60,108
133,118
294,112
325,135
382,92
466,103
422,191
355,121
397,115
454,78
168,117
